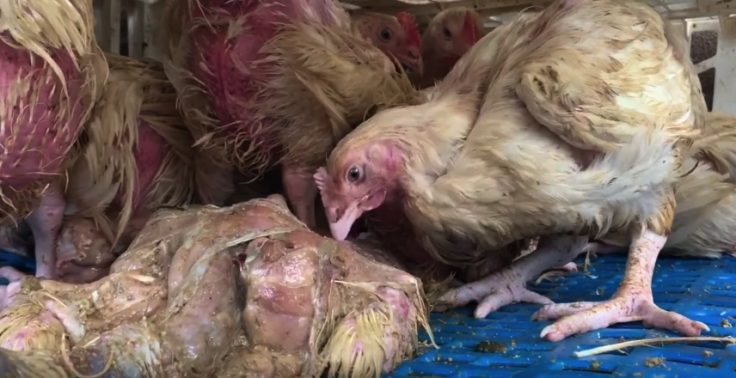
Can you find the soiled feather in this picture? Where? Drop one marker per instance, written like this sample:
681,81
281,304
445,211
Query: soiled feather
706,197
119,167
278,82
52,72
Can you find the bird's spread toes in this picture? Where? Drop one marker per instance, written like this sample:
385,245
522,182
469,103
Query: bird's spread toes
491,293
580,317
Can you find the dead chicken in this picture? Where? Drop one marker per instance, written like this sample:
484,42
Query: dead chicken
49,62
546,127
449,35
397,37
242,291
276,82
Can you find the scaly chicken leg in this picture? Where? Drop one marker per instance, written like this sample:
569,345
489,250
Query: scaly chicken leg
508,285
302,191
45,222
632,302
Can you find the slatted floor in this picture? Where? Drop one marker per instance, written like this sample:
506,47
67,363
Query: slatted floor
507,344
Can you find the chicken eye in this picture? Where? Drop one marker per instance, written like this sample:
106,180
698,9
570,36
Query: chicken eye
385,35
354,174
447,32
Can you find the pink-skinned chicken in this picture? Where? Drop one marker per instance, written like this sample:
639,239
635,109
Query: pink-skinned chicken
551,125
51,73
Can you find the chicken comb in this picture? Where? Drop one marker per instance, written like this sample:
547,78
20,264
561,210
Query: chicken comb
409,23
470,28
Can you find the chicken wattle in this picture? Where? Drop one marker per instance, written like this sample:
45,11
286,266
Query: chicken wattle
551,125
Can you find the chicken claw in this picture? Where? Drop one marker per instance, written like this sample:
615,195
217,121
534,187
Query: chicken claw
509,284
632,302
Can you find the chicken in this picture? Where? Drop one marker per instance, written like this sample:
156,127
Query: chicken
706,197
281,91
137,154
288,304
49,64
519,142
396,36
134,156
449,35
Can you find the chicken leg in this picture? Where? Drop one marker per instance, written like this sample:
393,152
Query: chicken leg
509,284
301,190
632,302
45,222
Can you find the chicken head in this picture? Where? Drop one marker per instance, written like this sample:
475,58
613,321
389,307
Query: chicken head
396,36
449,35
360,181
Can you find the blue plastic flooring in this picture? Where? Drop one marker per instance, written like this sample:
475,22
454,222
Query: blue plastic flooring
507,344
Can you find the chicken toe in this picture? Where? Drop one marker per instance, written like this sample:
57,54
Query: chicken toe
581,317
508,285
632,302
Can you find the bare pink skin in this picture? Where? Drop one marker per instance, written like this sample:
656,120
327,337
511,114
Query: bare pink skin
509,284
632,302
301,191
362,185
46,223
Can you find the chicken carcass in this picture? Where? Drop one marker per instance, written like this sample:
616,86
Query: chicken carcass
230,292
278,81
397,37
449,35
50,67
551,125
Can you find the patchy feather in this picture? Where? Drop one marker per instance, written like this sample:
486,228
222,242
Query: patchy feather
52,73
116,169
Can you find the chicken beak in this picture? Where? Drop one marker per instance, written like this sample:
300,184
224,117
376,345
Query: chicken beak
341,228
413,60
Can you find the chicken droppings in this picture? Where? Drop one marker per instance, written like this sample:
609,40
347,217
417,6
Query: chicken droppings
726,324
595,365
655,361
490,347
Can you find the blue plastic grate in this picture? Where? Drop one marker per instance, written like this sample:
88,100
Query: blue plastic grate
22,263
507,344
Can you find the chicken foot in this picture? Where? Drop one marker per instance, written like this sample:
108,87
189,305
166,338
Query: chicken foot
301,190
509,284
632,302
